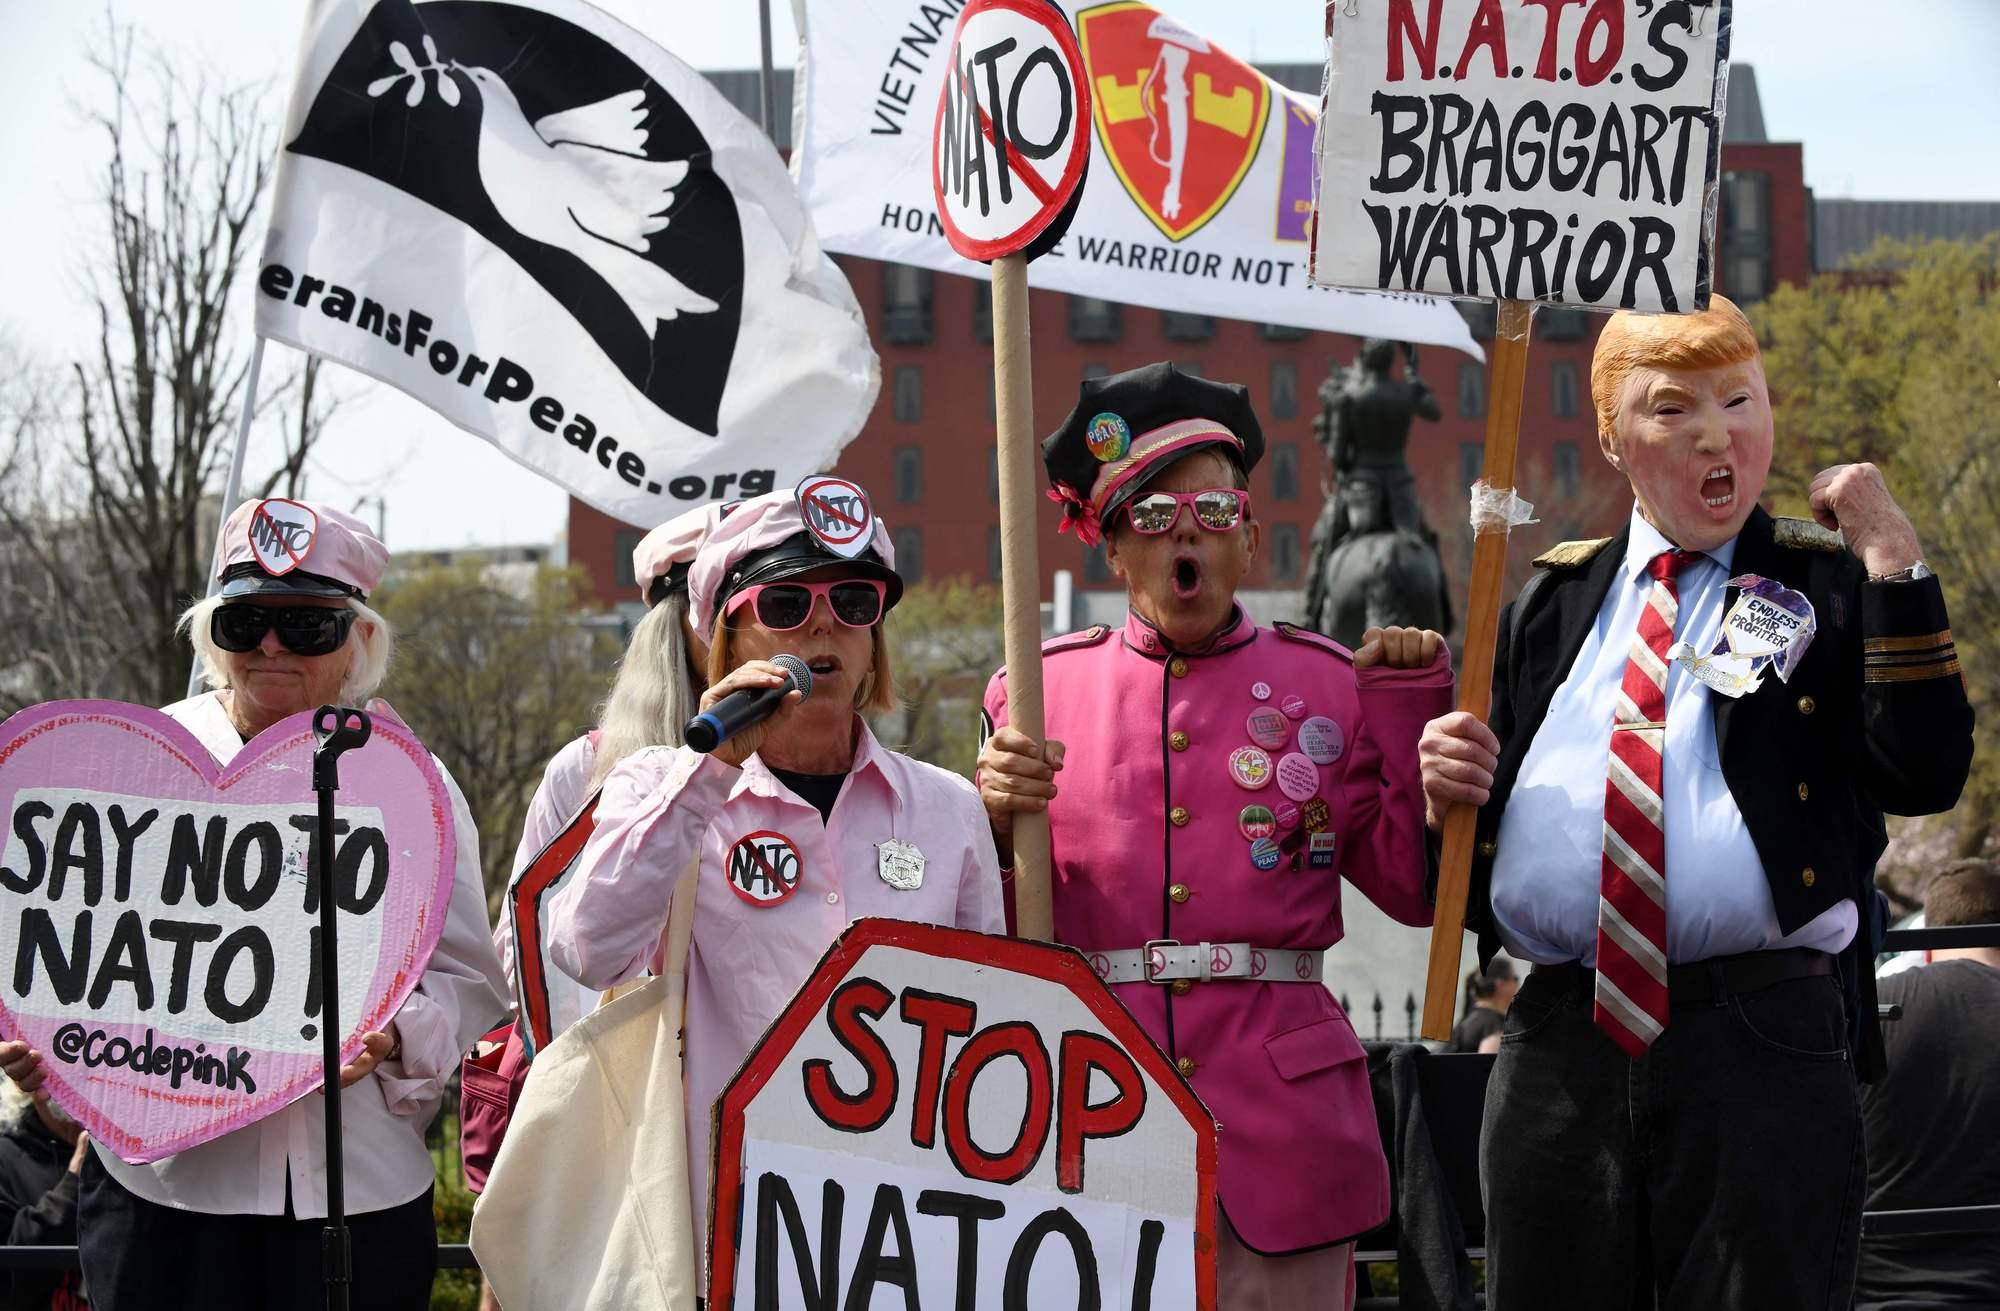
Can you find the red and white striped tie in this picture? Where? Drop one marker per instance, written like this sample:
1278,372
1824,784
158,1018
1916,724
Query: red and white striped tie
1632,895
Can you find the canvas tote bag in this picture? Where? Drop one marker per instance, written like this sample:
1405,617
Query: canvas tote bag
587,1203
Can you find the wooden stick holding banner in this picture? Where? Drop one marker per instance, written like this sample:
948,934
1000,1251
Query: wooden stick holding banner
1009,153
1508,374
1399,206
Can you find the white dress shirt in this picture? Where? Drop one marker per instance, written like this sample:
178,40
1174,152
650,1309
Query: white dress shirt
1548,870
383,1116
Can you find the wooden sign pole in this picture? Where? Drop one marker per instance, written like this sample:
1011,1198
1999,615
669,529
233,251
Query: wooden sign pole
1475,680
1020,573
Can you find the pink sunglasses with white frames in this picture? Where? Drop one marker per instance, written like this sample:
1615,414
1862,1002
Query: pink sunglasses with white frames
1217,509
781,607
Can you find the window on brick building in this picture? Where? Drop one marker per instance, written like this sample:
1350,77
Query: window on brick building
909,393
1094,319
909,473
1284,553
910,554
982,312
1284,389
622,545
1562,389
1285,471
1562,323
1481,316
1471,390
1178,326
1471,460
1745,236
906,304
1095,371
1567,464
1280,332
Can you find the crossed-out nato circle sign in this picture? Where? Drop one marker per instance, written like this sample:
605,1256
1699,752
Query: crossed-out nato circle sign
1012,136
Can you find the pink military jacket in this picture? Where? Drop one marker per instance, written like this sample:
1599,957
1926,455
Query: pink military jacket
1149,843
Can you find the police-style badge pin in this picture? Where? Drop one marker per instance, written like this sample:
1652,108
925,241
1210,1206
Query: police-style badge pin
1108,437
1769,627
900,864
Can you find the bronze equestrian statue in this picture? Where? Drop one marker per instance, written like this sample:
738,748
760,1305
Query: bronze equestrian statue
1375,561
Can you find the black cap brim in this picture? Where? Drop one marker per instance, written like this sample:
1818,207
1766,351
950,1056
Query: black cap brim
248,580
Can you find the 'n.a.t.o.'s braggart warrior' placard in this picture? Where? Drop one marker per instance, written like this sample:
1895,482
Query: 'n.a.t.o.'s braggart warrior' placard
159,913
1546,150
950,1119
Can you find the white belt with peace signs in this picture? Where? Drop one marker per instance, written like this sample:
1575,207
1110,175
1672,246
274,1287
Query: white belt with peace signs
1164,960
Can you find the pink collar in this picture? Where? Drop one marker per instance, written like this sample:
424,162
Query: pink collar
1150,642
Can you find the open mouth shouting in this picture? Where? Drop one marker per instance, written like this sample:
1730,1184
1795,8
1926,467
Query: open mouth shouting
1718,489
824,666
1187,577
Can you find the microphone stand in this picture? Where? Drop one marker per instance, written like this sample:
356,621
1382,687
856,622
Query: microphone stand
337,729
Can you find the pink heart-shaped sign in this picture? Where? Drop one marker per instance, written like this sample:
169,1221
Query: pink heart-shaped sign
159,925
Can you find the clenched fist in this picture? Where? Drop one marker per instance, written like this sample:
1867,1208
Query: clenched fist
1853,501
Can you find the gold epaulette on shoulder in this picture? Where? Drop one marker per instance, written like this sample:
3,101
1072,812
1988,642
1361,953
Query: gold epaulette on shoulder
1805,535
1571,555
1292,632
1090,636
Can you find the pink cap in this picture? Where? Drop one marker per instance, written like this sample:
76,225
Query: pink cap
278,547
746,547
664,555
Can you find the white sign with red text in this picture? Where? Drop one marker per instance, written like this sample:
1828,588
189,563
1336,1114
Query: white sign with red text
970,1121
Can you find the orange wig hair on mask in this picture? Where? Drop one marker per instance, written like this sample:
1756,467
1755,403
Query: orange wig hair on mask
1708,339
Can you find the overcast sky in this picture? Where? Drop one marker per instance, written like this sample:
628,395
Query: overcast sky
1894,99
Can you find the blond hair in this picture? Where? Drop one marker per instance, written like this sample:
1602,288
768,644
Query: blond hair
1706,339
369,643
655,692
874,694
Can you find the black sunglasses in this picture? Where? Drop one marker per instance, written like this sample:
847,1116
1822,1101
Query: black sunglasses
307,630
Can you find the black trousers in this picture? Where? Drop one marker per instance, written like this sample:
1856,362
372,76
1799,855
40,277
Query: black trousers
140,1256
1721,1172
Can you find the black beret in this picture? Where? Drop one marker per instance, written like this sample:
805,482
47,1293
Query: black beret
1144,400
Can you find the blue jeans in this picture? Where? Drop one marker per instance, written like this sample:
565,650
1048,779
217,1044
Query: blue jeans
1722,1171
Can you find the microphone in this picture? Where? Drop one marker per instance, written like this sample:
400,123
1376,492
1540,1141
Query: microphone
739,710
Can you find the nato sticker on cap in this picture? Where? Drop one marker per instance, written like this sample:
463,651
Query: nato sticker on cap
1319,851
1264,854
1250,767
1108,437
1255,822
837,515
764,868
1320,738
1298,778
1294,707
282,534
1267,728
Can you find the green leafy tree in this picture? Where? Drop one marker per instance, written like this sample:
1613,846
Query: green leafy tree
495,675
945,640
1895,360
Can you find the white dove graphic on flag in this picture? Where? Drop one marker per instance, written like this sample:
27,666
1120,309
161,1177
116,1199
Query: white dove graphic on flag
580,180
548,229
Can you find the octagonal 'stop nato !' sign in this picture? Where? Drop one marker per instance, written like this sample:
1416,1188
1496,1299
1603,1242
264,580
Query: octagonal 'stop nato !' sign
972,1120
1012,139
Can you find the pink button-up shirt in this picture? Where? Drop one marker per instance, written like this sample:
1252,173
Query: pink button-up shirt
776,885
1149,838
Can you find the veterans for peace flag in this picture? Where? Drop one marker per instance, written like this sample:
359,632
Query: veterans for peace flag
1199,198
554,233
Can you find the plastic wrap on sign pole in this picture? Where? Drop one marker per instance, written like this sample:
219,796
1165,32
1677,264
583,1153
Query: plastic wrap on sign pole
1499,509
